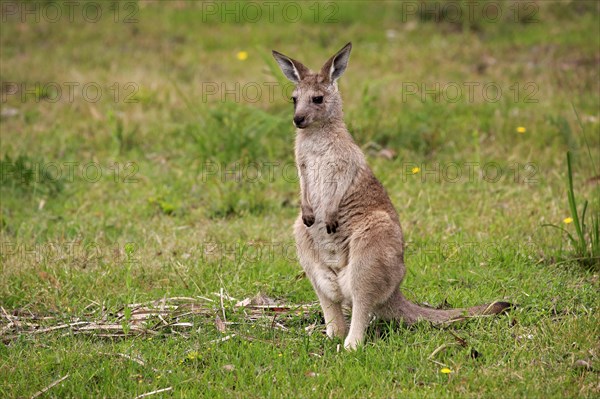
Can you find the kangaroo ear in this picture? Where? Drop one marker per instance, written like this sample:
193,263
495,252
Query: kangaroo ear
336,65
292,69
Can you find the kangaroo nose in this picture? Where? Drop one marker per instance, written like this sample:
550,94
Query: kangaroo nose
298,121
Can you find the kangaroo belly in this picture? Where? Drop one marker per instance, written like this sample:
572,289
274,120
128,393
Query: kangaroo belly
331,250
334,284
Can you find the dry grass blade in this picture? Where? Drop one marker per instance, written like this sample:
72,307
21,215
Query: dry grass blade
6,327
224,296
55,383
214,341
153,392
439,363
125,356
222,307
439,349
243,303
60,327
176,315
4,313
111,327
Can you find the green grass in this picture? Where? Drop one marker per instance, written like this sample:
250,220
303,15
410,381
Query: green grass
203,195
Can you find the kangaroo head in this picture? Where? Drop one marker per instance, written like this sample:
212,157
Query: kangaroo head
317,100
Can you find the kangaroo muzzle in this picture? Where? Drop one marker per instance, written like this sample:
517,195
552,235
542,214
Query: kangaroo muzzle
300,122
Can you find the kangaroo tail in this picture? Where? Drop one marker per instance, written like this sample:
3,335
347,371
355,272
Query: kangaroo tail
409,312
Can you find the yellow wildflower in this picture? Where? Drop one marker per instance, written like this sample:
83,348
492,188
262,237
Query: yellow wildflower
242,55
415,170
521,129
445,370
568,220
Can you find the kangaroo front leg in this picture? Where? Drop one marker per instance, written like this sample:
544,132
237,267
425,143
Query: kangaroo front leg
308,215
338,178
358,325
334,318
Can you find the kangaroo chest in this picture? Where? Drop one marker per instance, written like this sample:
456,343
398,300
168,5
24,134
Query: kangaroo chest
321,178
324,171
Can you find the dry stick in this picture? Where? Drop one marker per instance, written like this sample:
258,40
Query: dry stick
104,329
133,359
6,327
281,326
55,383
15,320
156,302
123,355
229,298
439,363
90,305
182,298
192,312
4,313
221,339
43,330
206,299
440,348
222,307
153,392
163,320
176,324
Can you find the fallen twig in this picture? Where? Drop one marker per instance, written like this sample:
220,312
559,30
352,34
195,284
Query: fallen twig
55,383
60,327
439,349
123,355
228,337
154,392
176,315
222,307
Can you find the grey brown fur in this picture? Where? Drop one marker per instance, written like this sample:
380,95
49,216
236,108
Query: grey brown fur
348,234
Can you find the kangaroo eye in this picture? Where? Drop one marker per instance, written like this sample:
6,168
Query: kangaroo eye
317,100
294,100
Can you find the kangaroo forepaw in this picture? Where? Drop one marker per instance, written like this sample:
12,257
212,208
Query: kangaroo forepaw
331,227
308,220
308,217
331,223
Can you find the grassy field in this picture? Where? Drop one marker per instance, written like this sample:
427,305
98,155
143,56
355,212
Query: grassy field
148,190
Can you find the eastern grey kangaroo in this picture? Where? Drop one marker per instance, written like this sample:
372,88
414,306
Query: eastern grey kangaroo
348,234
